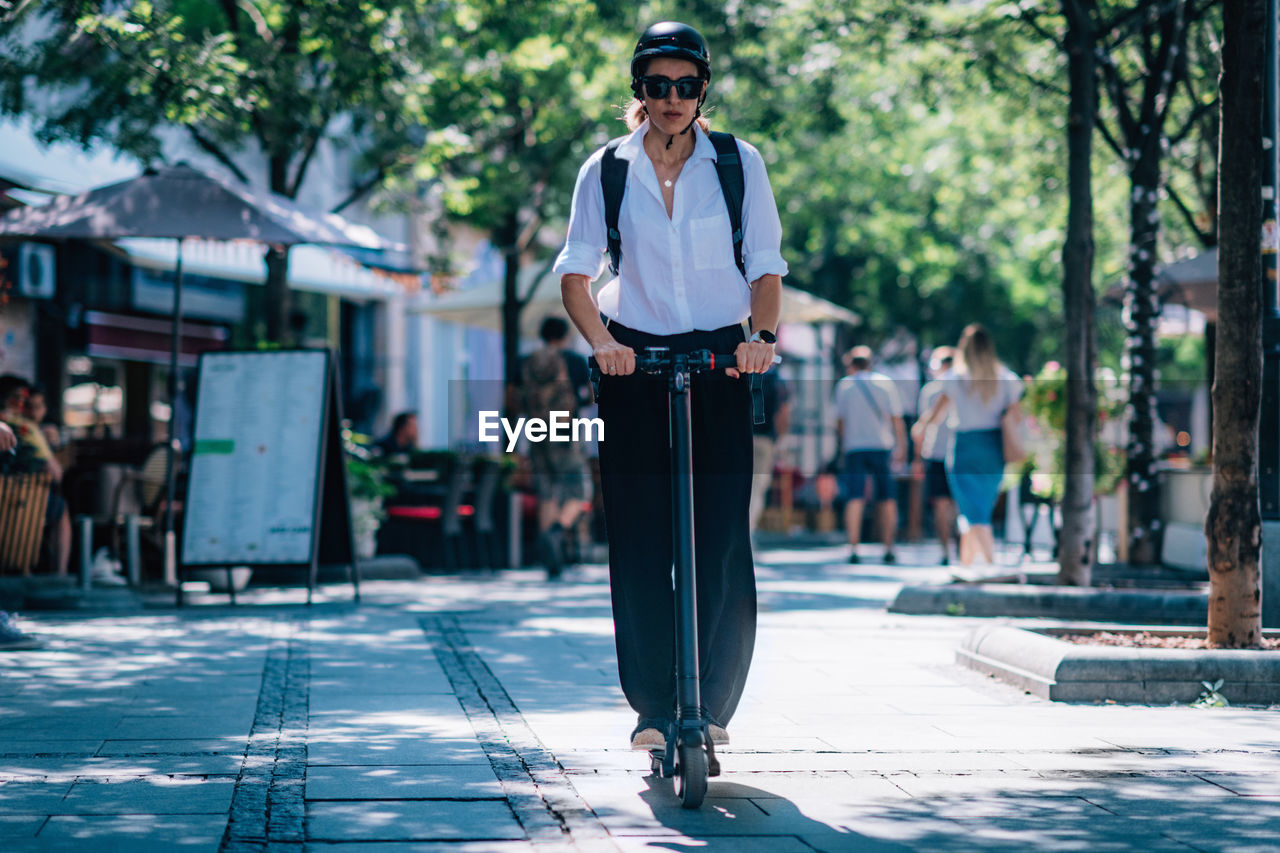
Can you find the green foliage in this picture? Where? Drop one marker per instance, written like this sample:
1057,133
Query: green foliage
1046,401
366,472
1210,697
518,99
916,150
283,73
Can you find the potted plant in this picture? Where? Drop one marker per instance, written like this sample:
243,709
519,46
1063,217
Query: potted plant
368,487
1046,401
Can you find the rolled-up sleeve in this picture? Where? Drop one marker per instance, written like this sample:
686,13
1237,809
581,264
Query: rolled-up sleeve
761,228
585,244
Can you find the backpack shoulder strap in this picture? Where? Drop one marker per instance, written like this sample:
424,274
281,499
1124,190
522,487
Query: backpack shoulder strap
733,184
613,180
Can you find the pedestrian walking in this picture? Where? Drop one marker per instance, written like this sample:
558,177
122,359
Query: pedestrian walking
685,279
873,440
931,443
976,394
556,379
765,439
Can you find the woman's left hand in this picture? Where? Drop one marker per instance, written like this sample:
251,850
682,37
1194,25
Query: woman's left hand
753,357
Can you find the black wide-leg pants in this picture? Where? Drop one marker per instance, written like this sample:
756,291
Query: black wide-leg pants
635,474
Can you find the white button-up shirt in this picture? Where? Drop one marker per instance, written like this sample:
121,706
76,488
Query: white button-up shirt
677,274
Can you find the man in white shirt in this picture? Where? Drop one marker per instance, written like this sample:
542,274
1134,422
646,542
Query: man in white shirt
873,441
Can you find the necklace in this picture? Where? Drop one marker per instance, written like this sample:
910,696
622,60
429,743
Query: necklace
666,183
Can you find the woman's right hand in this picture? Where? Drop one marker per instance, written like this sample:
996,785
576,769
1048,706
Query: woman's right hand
614,359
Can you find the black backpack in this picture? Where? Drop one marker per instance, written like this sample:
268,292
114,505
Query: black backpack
613,180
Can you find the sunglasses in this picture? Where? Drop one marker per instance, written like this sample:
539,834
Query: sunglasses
687,88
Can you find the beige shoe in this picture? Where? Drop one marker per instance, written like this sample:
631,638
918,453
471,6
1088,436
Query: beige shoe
719,737
648,740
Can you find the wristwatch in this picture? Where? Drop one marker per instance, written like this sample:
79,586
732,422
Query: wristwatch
765,336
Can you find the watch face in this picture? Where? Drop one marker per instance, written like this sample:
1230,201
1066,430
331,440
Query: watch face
767,336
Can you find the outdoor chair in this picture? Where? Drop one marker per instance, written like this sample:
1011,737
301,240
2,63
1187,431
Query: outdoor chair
430,530
23,500
486,545
137,509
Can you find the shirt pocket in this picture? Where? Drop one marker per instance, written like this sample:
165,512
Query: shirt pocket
712,242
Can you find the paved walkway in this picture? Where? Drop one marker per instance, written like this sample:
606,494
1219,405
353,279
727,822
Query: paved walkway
482,714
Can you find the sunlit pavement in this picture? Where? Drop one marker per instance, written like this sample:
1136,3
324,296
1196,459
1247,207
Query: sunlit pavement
481,713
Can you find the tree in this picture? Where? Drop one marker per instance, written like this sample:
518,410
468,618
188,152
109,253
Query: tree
280,77
1076,539
1144,64
1140,53
520,99
1234,525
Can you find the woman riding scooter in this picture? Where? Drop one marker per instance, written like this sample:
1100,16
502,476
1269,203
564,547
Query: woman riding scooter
681,282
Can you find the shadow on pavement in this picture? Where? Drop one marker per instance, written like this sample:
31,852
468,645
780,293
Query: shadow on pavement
1058,812
734,813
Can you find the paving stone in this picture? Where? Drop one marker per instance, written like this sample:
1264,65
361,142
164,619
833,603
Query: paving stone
390,749
39,724
454,781
1246,784
31,798
422,847
157,796
130,834
49,746
338,703
412,820
35,769
175,746
735,844
183,728
19,826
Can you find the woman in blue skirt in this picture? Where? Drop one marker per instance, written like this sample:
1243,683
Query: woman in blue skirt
977,392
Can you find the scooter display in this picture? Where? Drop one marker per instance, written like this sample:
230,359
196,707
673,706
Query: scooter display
689,755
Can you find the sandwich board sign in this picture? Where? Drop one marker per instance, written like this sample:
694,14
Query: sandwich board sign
267,480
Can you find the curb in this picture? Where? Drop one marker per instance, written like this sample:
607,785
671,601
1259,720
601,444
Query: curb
1055,602
1060,671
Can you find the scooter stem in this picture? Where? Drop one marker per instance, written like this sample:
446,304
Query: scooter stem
688,688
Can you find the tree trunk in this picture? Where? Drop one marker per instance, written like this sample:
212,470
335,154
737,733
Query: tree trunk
1142,318
508,235
1234,525
277,294
1164,40
1075,543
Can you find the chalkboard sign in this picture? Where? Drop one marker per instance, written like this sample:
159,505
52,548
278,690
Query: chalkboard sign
267,482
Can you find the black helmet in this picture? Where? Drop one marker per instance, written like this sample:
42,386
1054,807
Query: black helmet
674,40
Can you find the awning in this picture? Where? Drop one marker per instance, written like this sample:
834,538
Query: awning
1192,282
147,339
481,305
311,268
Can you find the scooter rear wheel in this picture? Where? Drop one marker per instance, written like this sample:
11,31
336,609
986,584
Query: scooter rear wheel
691,784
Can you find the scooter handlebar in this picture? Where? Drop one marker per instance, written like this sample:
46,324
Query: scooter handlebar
655,360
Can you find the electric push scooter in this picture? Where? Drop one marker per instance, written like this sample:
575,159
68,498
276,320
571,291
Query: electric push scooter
689,755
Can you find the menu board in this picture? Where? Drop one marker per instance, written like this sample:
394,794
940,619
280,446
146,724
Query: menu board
262,424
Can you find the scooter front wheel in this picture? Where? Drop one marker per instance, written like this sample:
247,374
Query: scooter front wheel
691,785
